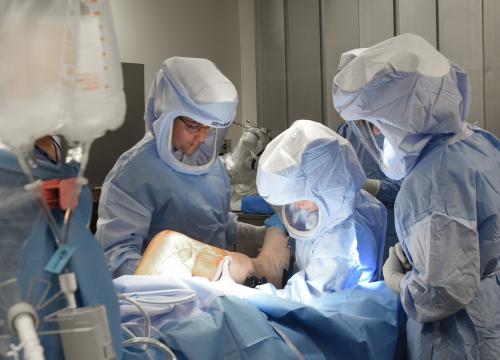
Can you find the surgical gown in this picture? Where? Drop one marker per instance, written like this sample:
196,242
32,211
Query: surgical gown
154,187
448,208
347,246
452,296
142,196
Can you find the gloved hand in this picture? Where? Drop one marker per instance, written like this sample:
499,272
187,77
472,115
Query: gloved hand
240,267
250,233
393,271
275,221
402,257
273,258
372,186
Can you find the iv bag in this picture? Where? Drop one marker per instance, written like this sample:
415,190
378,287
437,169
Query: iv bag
98,99
35,69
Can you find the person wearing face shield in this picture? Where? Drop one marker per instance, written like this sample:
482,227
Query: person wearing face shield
172,178
378,184
447,210
312,178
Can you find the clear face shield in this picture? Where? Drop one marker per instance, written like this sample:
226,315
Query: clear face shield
301,218
374,142
367,133
195,146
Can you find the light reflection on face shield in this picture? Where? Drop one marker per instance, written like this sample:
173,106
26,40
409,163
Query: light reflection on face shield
302,215
388,154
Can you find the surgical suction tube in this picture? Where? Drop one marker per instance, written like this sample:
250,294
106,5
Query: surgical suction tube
146,340
142,311
149,341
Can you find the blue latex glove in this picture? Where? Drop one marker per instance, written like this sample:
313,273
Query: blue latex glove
275,221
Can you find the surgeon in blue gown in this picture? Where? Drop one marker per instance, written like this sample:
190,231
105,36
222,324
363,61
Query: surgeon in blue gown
312,177
27,245
172,178
448,208
378,184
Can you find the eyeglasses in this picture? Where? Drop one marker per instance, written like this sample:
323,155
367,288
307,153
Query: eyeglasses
195,129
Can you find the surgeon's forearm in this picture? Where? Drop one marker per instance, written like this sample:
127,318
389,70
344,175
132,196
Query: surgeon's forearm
274,257
388,190
426,303
231,226
128,267
248,233
446,273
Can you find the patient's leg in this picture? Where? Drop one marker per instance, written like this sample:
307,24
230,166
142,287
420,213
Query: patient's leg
172,253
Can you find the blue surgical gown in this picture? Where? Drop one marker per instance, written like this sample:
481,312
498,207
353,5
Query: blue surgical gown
314,257
142,196
452,239
346,246
447,210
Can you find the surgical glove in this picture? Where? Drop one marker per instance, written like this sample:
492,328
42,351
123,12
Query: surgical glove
249,233
273,257
393,271
372,186
402,257
240,267
275,221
